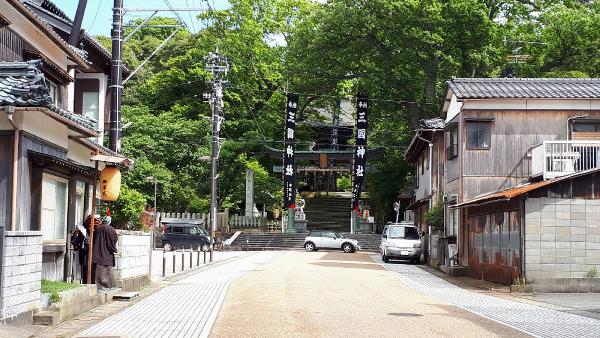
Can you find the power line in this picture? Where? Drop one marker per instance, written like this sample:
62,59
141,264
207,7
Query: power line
95,16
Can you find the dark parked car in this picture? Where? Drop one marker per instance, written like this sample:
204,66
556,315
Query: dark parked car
182,235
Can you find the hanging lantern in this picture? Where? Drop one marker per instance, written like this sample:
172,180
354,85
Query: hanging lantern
110,183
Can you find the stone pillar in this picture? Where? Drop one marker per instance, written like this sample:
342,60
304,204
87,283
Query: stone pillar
132,270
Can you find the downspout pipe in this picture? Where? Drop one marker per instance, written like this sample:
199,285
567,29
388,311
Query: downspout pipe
569,120
10,112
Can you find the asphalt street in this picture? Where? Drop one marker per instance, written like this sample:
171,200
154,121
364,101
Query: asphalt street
332,294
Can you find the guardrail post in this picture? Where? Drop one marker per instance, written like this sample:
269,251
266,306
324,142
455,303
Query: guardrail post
174,263
191,255
204,257
164,266
198,257
182,259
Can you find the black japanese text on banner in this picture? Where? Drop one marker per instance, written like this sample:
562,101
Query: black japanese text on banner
358,170
289,165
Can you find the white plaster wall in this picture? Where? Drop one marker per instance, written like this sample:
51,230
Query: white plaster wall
80,154
562,237
45,127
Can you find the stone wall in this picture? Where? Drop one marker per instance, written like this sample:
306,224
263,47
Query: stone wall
21,272
562,237
133,257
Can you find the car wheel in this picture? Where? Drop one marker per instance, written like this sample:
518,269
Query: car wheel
347,247
308,246
414,261
168,247
205,248
385,258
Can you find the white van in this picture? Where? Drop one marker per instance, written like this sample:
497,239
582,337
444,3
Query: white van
401,241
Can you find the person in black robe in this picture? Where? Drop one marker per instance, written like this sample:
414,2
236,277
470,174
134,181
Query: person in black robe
103,254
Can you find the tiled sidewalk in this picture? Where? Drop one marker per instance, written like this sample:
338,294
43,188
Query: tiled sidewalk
531,319
186,308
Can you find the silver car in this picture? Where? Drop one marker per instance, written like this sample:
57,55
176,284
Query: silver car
401,241
329,240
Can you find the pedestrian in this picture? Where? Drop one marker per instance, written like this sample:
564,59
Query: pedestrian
105,247
80,243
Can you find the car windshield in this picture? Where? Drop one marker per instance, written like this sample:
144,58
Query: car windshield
403,232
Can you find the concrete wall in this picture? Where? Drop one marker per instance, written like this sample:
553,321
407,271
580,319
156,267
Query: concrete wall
133,259
562,237
21,272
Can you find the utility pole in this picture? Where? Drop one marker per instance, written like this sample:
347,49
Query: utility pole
116,78
218,66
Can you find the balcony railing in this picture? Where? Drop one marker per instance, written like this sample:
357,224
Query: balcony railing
551,159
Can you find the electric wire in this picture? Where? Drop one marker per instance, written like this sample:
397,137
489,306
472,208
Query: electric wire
95,16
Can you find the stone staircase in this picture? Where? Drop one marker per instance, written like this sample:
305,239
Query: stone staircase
328,213
258,242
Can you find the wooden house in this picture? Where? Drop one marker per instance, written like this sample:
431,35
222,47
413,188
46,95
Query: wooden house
504,133
46,172
426,151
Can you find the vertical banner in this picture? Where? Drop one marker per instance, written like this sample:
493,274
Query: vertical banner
289,165
358,170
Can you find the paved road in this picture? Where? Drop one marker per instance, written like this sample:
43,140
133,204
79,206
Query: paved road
186,308
332,294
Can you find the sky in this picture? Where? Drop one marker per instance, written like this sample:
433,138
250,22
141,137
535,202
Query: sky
98,13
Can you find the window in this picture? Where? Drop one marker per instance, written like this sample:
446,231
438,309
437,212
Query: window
452,215
478,134
191,230
91,106
452,150
178,230
54,208
52,91
584,127
79,205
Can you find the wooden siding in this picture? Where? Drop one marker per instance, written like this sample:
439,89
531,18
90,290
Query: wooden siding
12,45
582,135
513,133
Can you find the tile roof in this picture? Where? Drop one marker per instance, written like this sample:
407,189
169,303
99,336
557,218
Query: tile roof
22,84
507,194
436,123
543,88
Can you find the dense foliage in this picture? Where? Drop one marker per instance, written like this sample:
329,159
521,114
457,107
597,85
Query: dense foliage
399,52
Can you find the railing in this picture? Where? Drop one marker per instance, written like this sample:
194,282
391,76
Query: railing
551,159
242,222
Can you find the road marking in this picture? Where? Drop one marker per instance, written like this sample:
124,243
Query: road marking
531,319
186,308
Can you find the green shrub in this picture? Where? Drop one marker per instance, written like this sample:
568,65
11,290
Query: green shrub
128,209
54,287
434,217
592,273
344,183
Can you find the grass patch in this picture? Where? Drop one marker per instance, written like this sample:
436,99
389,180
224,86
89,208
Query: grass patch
54,287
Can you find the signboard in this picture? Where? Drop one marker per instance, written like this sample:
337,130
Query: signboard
358,168
289,164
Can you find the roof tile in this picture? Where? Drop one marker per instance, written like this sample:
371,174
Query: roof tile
478,88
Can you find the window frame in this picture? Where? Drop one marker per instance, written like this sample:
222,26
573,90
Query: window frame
478,122
97,102
452,148
50,177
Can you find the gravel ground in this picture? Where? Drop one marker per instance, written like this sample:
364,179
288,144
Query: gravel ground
332,294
